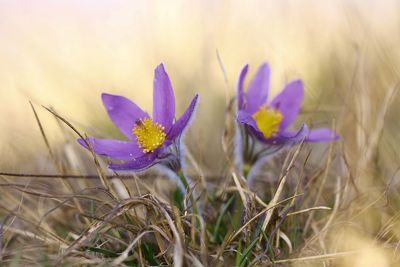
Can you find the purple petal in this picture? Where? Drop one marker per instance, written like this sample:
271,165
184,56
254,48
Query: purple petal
123,112
322,135
115,149
240,89
282,138
183,121
163,98
141,163
290,137
288,102
258,89
246,118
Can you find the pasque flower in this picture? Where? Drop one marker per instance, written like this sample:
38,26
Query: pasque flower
149,137
268,120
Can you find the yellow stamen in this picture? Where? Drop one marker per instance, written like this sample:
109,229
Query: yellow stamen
268,121
149,135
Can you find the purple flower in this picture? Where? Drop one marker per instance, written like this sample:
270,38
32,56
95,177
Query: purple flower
149,137
268,120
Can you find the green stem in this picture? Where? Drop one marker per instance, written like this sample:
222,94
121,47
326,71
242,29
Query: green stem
183,179
186,184
246,169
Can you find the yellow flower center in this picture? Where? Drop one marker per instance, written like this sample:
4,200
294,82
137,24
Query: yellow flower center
149,135
268,121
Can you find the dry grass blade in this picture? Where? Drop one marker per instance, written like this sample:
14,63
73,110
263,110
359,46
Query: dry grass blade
307,210
178,248
322,184
59,165
244,190
379,126
98,168
26,233
45,232
125,253
240,189
195,261
96,227
317,258
279,190
46,141
286,239
258,215
223,70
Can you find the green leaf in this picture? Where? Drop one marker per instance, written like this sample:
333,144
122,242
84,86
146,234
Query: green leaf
105,252
178,198
239,253
221,216
149,255
243,258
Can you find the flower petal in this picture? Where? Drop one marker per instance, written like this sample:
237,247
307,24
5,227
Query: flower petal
245,118
141,163
282,138
258,89
123,112
183,121
322,135
240,89
115,149
163,98
290,137
288,102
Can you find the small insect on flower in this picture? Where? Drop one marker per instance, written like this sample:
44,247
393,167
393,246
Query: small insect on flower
267,120
149,137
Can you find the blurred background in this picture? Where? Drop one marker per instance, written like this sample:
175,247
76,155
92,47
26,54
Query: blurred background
64,54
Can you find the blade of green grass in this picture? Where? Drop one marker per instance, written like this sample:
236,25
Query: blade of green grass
149,255
105,252
243,258
224,209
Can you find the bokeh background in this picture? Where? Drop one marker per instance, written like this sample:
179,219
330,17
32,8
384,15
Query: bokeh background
64,54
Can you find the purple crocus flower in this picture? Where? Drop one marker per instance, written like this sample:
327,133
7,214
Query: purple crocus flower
268,120
149,137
